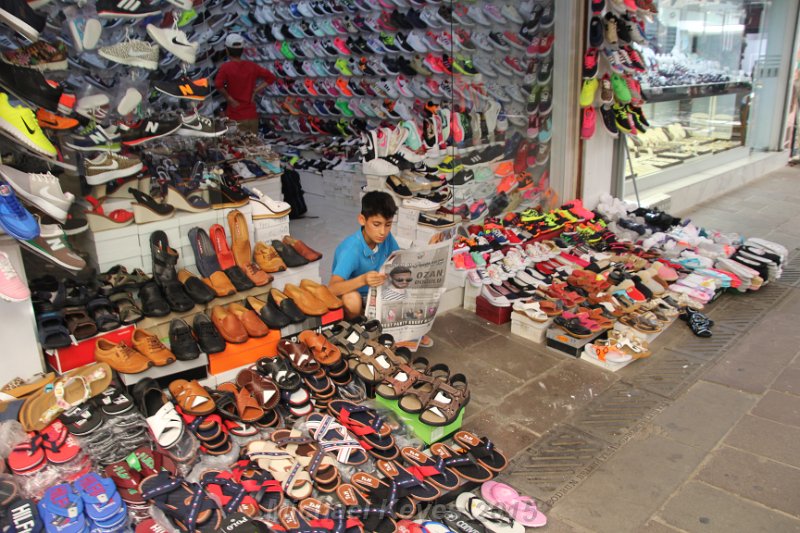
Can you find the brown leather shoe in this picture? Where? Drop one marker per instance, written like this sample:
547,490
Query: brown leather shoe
322,293
242,253
120,357
268,259
220,283
148,345
307,302
230,327
255,326
302,248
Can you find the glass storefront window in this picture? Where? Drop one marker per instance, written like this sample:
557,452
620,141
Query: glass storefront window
701,58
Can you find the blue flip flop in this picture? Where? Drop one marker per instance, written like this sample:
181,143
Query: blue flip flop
100,497
61,508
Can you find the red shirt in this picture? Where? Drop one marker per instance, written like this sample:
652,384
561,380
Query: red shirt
239,78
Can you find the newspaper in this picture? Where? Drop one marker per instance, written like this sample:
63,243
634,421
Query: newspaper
407,302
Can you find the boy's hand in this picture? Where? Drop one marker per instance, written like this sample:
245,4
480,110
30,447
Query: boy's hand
374,279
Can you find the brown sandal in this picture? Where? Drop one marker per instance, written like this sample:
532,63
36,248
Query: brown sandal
402,379
323,351
420,394
263,389
191,397
299,355
447,402
376,362
79,324
247,407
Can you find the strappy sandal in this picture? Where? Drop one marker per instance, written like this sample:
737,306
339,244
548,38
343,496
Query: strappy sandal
185,504
376,362
644,322
374,518
53,331
320,466
79,324
372,430
425,467
334,437
300,357
192,398
347,336
129,312
280,372
483,450
263,389
404,377
103,314
118,279
319,513
573,327
447,401
323,351
247,408
418,395
231,495
414,487
283,466
388,495
260,485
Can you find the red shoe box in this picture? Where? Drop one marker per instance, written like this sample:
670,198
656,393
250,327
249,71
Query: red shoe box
332,317
64,359
494,314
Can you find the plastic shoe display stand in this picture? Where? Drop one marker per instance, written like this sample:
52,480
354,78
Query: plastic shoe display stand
428,434
164,375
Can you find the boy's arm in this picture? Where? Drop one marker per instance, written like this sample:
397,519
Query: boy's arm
339,286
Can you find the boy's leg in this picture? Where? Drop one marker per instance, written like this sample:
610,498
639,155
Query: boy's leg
353,304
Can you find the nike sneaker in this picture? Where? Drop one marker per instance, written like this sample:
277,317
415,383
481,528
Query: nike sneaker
51,244
40,55
126,9
93,138
52,121
30,86
174,41
14,218
20,124
132,52
12,288
196,125
107,166
42,191
147,130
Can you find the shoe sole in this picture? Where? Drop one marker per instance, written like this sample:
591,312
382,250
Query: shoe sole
53,259
15,134
19,25
109,175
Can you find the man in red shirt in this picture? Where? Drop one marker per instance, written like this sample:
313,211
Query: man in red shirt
237,81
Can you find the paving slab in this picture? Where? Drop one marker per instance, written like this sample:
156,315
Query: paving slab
780,407
510,437
459,331
522,359
767,438
701,507
703,415
788,381
770,483
624,492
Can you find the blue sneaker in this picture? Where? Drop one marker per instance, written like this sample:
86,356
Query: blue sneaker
15,219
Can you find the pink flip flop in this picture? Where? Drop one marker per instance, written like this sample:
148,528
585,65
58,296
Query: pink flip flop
521,508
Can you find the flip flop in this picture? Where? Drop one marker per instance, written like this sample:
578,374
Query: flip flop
491,517
483,450
62,509
331,518
186,504
101,500
458,522
232,496
375,518
416,488
366,424
22,516
259,484
433,471
523,509
386,495
464,465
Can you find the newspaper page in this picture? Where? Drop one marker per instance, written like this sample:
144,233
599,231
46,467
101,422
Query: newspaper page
407,302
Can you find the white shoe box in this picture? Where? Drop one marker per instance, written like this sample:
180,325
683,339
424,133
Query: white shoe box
613,367
268,229
529,329
470,294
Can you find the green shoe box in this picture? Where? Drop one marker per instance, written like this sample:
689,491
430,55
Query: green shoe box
428,434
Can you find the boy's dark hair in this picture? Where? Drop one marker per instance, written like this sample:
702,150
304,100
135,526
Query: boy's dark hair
378,203
235,52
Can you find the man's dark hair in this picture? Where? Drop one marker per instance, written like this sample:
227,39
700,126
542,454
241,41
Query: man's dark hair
235,52
378,203
399,270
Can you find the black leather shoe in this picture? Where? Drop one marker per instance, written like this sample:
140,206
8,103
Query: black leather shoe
153,302
270,314
198,291
164,258
289,255
181,340
177,298
208,337
283,304
239,278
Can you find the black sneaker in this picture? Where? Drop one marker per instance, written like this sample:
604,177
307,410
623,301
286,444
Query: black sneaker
633,117
545,71
413,17
529,30
29,85
462,177
609,121
147,130
622,118
401,42
125,9
446,13
19,16
400,20
597,30
391,66
181,340
639,114
184,88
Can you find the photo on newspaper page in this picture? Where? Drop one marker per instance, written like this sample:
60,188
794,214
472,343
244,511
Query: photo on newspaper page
407,302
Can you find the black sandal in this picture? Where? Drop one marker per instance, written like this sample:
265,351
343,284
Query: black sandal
79,324
103,314
129,312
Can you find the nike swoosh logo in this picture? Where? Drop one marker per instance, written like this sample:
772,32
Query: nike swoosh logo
192,126
174,41
110,166
30,130
137,53
44,192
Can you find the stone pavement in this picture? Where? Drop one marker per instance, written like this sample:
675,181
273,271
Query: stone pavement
702,436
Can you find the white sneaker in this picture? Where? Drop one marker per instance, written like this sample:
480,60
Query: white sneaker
420,204
379,167
494,297
129,102
41,190
132,52
93,106
475,13
415,41
509,12
482,41
265,207
175,41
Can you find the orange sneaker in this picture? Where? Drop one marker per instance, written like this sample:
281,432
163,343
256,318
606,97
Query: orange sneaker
54,122
341,84
312,90
504,169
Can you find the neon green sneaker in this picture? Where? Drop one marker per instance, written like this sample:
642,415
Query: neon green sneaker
187,17
588,91
341,104
287,51
621,89
342,66
463,65
449,165
20,123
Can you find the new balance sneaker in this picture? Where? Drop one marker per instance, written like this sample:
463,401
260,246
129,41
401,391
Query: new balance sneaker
12,288
132,52
20,124
174,41
14,218
51,244
42,191
184,88
85,31
196,125
20,17
126,9
93,138
147,130
40,55
107,167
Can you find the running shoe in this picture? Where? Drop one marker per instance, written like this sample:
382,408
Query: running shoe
20,124
14,218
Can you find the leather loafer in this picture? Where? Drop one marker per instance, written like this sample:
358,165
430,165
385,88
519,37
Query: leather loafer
219,283
307,302
153,302
176,297
204,255
208,337
242,252
239,278
268,259
182,341
231,329
322,293
195,288
255,326
302,248
270,314
285,305
289,255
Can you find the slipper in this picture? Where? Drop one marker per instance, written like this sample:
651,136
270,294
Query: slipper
27,457
323,351
523,509
458,522
284,467
327,517
433,471
293,521
463,465
386,494
240,429
248,408
374,517
61,509
408,481
127,481
483,450
263,389
281,373
114,401
492,518
83,419
259,484
22,516
101,500
185,504
192,397
232,496
59,446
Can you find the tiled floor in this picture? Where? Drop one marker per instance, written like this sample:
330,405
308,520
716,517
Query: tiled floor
709,437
